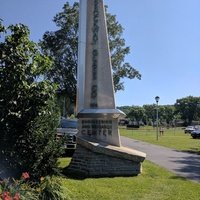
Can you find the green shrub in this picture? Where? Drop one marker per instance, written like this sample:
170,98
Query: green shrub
11,189
49,188
28,117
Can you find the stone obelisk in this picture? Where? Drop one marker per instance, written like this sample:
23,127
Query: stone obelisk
96,104
98,143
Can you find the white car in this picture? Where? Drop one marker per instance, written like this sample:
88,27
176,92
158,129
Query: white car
189,129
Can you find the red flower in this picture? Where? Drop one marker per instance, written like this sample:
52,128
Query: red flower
25,175
6,196
16,197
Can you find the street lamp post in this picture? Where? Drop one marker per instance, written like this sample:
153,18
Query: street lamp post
157,100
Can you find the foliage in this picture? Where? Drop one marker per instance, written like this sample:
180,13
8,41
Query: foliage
136,113
28,116
119,50
46,149
167,113
62,47
49,188
147,113
188,108
150,112
17,189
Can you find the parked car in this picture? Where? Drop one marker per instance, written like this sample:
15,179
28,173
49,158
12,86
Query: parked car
68,130
195,134
189,129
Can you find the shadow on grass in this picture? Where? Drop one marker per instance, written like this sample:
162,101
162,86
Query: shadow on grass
79,176
192,150
76,176
178,178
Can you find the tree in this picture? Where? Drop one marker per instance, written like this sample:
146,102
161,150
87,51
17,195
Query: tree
168,113
28,116
62,47
188,108
137,113
150,113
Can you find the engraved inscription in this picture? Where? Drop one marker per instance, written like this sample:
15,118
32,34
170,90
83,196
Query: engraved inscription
97,127
95,22
94,64
95,38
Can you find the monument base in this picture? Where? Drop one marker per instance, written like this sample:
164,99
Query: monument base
93,159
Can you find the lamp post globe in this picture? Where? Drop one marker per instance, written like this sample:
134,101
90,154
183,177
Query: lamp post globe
157,98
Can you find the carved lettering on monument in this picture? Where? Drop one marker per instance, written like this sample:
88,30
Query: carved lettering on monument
95,29
94,91
96,127
95,23
94,64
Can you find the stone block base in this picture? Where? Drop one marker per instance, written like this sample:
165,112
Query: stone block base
92,159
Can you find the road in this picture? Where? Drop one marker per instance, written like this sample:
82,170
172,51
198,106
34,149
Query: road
182,164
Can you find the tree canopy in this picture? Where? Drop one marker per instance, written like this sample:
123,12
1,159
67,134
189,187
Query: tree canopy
147,113
185,109
137,113
188,108
62,47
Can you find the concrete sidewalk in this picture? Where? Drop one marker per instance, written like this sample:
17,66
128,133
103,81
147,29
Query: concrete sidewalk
182,164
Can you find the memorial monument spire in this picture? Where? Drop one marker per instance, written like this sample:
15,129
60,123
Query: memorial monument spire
95,83
99,151
94,66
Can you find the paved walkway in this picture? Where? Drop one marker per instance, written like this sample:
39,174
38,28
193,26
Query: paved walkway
182,164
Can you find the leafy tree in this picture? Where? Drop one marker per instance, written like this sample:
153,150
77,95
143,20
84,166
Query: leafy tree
168,113
150,112
62,44
28,113
188,108
137,113
147,113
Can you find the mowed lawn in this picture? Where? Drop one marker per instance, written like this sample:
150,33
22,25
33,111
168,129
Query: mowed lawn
172,138
155,183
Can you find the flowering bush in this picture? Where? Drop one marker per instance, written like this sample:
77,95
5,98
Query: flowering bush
11,189
7,196
23,189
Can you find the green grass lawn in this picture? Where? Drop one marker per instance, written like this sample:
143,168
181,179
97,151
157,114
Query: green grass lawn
155,183
176,139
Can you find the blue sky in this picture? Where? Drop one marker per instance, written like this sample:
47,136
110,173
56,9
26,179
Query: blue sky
164,37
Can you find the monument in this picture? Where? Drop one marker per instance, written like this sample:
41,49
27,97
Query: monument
99,151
